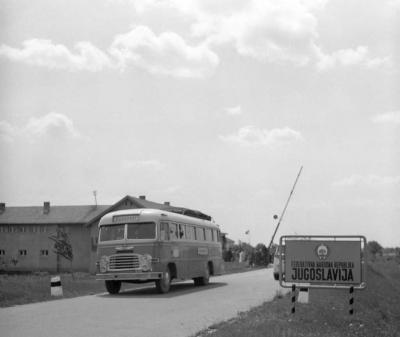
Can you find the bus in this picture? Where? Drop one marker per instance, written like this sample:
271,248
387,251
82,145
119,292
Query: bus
151,245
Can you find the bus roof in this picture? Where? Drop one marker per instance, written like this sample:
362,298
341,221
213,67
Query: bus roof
149,214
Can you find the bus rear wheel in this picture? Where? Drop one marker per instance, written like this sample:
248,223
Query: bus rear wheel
164,284
113,287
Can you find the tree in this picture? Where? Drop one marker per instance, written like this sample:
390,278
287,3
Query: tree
227,255
261,256
62,246
374,248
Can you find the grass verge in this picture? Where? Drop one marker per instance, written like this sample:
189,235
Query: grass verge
31,288
377,311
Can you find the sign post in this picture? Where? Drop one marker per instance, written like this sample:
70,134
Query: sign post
337,262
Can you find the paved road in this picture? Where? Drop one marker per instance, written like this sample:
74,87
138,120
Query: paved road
142,312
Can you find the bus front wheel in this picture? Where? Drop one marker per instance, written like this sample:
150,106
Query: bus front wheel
164,284
113,287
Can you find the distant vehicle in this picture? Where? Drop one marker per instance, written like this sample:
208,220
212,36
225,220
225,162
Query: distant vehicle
277,262
149,245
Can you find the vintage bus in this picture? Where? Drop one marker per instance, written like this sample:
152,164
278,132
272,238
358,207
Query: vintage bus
144,245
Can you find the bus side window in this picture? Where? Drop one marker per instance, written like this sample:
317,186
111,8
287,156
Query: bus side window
164,231
187,232
181,232
208,233
212,235
201,234
173,231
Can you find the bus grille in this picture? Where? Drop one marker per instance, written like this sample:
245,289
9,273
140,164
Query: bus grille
124,261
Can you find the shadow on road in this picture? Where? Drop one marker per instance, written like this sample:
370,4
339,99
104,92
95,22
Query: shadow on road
177,289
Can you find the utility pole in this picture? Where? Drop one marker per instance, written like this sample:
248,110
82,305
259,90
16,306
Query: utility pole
284,209
95,198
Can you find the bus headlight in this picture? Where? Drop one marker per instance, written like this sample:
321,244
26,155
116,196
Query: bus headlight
145,262
104,261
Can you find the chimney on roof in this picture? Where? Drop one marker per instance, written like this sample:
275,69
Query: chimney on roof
46,207
2,207
143,197
167,203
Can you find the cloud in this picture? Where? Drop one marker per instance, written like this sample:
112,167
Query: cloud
266,30
7,132
54,125
371,180
282,32
165,54
250,135
236,110
394,5
392,117
45,53
143,164
349,57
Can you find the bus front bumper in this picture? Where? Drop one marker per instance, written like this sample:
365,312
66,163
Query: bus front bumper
129,276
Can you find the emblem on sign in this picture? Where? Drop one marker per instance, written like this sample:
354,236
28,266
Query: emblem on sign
322,251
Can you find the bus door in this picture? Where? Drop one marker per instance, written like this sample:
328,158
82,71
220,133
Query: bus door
178,253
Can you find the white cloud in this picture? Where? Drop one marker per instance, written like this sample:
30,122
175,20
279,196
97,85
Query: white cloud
53,125
371,180
349,57
265,30
394,5
45,53
7,132
250,135
166,54
236,110
392,117
142,164
283,31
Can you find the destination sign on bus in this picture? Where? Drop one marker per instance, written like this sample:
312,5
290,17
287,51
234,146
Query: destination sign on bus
323,262
125,218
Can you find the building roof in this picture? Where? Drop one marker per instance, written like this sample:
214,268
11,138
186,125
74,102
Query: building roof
57,215
83,214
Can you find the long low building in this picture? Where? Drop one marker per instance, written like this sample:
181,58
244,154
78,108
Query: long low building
26,233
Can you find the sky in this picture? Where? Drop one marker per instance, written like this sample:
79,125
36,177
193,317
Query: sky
211,105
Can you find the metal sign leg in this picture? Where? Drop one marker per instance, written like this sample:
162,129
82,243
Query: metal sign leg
293,298
351,300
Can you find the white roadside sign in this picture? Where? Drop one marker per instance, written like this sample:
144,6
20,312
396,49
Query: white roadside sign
325,262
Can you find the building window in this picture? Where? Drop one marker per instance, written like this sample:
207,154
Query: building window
23,252
44,252
2,252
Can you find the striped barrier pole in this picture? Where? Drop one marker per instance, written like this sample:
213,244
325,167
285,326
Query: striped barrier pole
293,298
55,286
351,300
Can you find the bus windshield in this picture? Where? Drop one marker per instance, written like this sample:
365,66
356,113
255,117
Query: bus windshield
112,232
143,230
